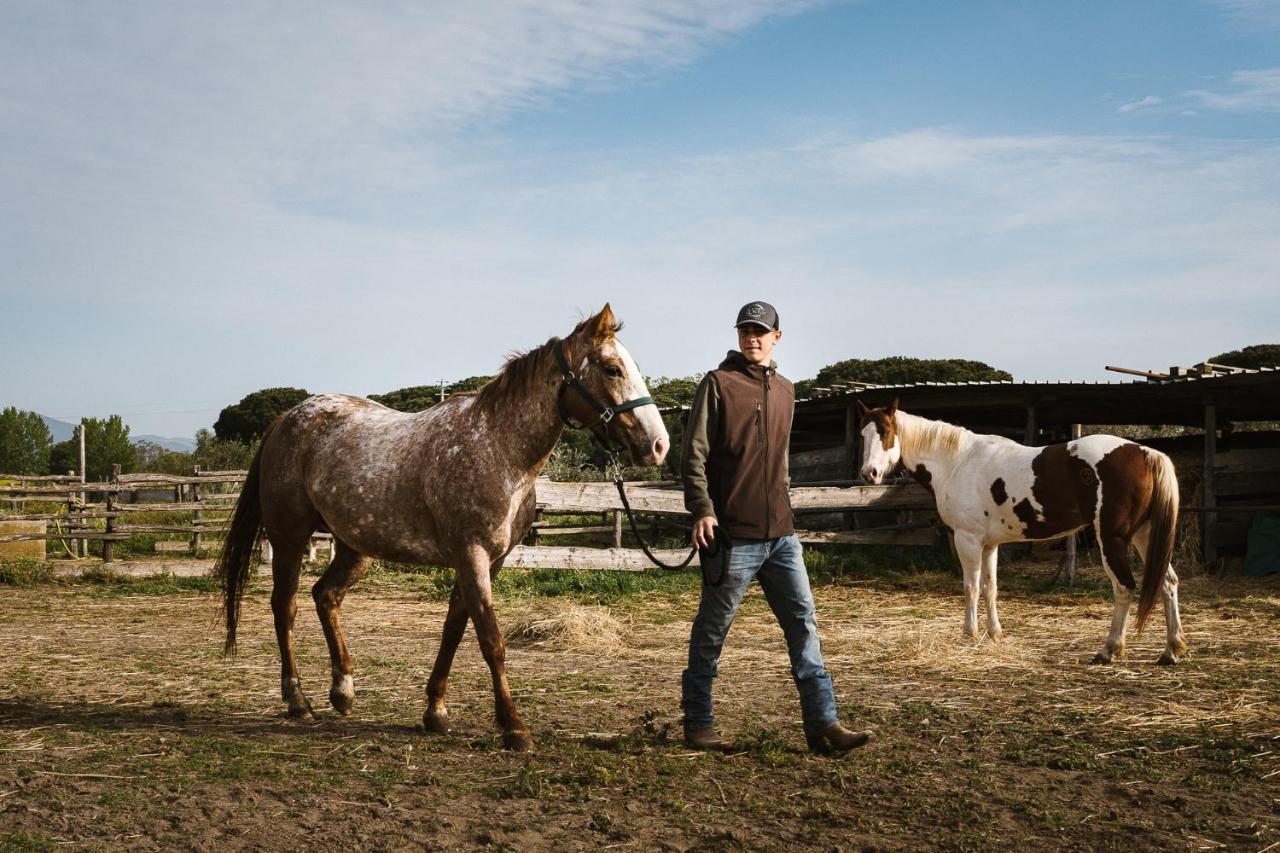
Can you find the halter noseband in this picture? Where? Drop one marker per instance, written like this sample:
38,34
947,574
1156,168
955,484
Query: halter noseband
569,379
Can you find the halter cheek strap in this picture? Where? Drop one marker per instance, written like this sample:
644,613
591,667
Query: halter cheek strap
570,380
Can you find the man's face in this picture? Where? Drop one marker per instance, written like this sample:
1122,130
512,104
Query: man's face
757,342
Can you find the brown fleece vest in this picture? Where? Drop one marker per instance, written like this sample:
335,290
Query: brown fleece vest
747,466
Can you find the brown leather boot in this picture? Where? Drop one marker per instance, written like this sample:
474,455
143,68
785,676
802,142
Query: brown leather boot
704,739
836,738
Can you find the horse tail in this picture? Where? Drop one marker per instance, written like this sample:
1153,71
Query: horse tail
1164,526
235,562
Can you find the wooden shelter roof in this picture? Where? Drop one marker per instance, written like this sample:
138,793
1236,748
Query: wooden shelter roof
999,406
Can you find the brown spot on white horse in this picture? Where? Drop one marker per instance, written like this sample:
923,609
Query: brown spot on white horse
452,486
991,490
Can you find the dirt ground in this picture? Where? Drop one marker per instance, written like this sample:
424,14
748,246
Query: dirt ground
121,726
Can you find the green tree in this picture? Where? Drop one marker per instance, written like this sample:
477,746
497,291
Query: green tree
174,462
471,383
415,398
1258,355
901,370
673,391
106,443
221,454
412,399
247,420
25,443
65,456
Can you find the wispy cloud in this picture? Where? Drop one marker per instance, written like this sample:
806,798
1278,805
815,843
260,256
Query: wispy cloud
1255,91
303,94
1140,104
340,179
1251,15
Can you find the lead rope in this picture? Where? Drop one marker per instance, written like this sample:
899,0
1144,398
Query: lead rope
616,468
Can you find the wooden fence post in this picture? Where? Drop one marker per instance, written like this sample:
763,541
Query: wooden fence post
1068,564
196,515
84,543
617,528
1209,496
852,454
73,518
111,518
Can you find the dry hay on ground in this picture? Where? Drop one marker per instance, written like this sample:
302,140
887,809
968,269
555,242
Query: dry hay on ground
564,625
123,726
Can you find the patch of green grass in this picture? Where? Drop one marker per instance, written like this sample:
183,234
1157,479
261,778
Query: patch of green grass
230,759
20,842
767,746
109,583
525,783
586,587
834,562
25,572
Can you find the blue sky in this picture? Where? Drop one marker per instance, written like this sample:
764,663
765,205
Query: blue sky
199,201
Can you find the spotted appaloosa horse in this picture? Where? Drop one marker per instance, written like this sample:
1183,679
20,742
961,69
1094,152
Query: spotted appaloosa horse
452,486
991,490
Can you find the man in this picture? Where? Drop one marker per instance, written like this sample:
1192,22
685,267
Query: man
735,479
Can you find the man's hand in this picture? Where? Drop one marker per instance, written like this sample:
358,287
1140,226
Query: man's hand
704,534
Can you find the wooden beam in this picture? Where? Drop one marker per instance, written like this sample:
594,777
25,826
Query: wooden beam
1068,564
585,559
1208,496
603,497
851,435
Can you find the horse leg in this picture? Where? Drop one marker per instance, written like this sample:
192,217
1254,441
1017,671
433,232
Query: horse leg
989,591
286,567
970,550
1115,560
348,566
1176,643
473,578
436,717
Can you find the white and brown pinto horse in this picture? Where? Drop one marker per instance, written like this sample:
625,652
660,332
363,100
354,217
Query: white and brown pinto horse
449,486
991,490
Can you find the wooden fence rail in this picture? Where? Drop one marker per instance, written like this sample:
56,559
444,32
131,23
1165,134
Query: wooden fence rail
660,503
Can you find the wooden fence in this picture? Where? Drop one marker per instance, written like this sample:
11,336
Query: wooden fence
113,514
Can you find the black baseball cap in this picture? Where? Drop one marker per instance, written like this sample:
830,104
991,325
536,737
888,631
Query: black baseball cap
759,314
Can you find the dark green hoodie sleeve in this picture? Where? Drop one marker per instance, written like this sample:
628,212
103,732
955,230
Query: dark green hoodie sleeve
699,433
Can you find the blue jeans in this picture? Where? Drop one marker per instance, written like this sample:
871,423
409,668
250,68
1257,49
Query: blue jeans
779,564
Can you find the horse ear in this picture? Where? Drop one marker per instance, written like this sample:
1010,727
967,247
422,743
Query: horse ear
603,325
893,407
862,408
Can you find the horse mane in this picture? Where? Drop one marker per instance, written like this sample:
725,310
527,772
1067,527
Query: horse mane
522,371
929,437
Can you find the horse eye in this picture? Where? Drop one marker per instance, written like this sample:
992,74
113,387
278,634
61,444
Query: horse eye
614,371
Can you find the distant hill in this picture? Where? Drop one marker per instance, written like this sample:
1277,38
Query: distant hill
180,445
60,430
63,431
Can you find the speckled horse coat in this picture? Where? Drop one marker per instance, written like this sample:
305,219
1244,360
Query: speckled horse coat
991,490
451,486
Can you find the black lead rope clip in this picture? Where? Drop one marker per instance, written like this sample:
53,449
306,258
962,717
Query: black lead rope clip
615,469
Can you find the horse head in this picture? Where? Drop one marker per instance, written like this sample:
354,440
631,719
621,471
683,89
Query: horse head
609,396
881,447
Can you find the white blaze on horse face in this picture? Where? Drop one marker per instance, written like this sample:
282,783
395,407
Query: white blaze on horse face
876,461
653,432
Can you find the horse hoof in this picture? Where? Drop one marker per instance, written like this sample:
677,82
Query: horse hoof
301,712
517,741
436,723
996,636
341,702
1167,659
1100,658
